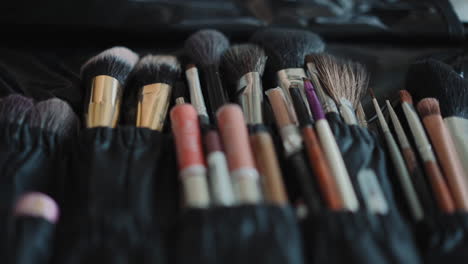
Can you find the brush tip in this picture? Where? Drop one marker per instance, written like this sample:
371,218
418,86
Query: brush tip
405,96
206,46
371,92
189,66
428,106
37,204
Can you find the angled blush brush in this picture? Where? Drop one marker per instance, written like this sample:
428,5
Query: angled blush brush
243,65
154,78
332,152
432,78
397,159
317,160
205,48
286,50
103,77
438,183
345,81
445,151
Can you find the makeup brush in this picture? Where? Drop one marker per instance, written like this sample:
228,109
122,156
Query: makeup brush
328,105
192,170
154,77
179,94
399,165
242,169
332,152
345,81
16,108
196,94
243,65
293,148
205,48
412,164
286,50
424,147
317,160
32,238
103,77
361,116
433,78
56,116
445,150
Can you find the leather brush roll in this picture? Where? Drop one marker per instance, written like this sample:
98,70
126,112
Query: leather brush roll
367,162
124,184
241,234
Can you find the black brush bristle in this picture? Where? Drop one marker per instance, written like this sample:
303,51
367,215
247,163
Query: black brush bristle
116,62
155,69
56,116
432,78
16,108
287,48
205,47
239,60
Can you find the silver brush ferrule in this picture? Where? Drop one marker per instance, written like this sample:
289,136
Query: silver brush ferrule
251,97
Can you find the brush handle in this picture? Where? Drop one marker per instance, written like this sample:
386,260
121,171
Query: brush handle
419,181
268,167
439,186
337,165
449,160
214,88
246,185
309,189
195,186
218,174
405,181
458,128
321,169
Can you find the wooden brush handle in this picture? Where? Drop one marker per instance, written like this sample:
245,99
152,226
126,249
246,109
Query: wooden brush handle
410,159
268,167
320,167
441,190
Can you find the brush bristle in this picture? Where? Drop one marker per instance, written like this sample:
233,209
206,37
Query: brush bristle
342,78
16,108
428,106
405,96
37,205
205,47
287,48
241,59
56,116
116,62
432,78
155,69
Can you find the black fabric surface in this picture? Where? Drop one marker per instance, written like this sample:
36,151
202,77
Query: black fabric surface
123,198
242,234
31,240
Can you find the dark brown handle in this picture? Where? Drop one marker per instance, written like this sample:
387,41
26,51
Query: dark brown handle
410,159
439,186
268,167
320,166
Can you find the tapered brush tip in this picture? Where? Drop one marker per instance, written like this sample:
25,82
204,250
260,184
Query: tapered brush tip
371,92
205,47
428,106
155,69
39,205
405,96
190,66
116,62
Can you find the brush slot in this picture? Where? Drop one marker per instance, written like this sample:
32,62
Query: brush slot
122,197
240,234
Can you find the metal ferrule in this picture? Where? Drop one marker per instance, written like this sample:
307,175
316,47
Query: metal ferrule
422,142
347,112
328,104
293,77
292,140
251,97
196,95
153,104
104,102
